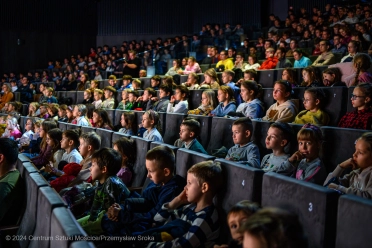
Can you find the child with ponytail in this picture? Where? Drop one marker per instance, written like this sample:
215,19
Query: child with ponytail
362,62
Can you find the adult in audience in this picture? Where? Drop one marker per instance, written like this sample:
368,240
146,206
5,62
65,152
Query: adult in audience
175,68
142,73
213,57
12,191
225,63
271,61
7,96
26,92
337,46
131,66
300,60
326,57
239,61
283,61
293,45
192,66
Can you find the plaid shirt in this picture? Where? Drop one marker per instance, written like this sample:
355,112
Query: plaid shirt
361,119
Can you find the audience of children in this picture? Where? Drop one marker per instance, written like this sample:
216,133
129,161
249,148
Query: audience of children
207,104
225,96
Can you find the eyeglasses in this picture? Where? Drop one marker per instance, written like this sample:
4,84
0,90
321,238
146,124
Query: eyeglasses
354,97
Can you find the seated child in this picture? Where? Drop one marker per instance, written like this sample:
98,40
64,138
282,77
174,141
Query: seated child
53,139
3,125
313,102
195,224
361,117
226,101
278,137
128,123
251,106
53,109
244,151
43,111
79,113
249,75
132,100
128,152
305,163
144,102
273,226
332,77
359,180
101,119
180,95
150,120
112,81
127,83
110,98
136,84
34,147
207,104
97,98
155,82
87,97
124,99
192,81
106,163
28,134
179,143
13,129
70,114
164,95
137,214
48,93
13,109
285,109
62,116
189,131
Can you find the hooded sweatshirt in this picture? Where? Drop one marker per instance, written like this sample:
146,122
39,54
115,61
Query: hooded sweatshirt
285,112
253,109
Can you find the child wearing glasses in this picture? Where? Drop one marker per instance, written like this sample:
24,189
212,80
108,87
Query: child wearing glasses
361,117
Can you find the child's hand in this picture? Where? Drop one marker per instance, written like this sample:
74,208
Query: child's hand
333,186
113,212
139,99
349,163
179,200
297,156
48,168
155,99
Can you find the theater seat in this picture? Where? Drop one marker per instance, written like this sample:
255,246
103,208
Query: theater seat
71,126
111,115
64,225
145,82
156,143
348,101
173,122
62,126
205,129
27,168
195,98
267,78
259,135
79,97
106,137
221,134
87,129
187,158
315,206
354,222
48,199
117,135
139,167
163,120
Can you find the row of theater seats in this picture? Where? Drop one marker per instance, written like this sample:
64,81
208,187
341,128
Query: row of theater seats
329,220
46,221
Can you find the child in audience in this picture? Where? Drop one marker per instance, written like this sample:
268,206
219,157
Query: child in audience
244,151
150,120
192,81
332,77
310,78
13,129
62,115
128,123
155,82
87,97
97,98
289,75
79,113
273,227
164,95
358,181
210,80
251,107
34,147
127,83
28,134
45,154
33,109
106,163
136,84
248,75
284,110
313,102
361,117
226,101
362,63
93,86
207,104
180,95
53,109
124,99
189,131
48,93
53,140
137,214
237,215
101,119
5,108
278,137
13,109
144,102
89,143
306,164
197,223
132,100
127,151
110,98
112,81
70,143
43,111
70,114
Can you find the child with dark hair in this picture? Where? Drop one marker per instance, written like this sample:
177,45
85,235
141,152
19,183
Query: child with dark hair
251,107
189,131
128,123
106,163
150,120
132,100
164,95
144,102
110,101
62,116
101,119
155,82
180,95
244,151
70,143
278,137
128,152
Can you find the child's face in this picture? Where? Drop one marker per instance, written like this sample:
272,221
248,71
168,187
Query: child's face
246,94
185,134
96,117
122,121
93,85
42,131
362,155
226,78
239,135
124,95
146,122
190,80
97,96
204,100
95,171
86,95
50,112
126,82
6,107
43,110
306,76
69,114
145,96
358,100
61,113
132,97
234,221
76,112
328,77
207,78
112,82
31,108
64,142
83,148
285,75
222,96
274,139
10,108
193,188
178,95
279,93
310,103
37,130
308,148
162,93
154,83
49,141
108,94
154,172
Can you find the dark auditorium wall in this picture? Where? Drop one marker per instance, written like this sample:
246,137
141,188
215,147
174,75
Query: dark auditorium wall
308,5
143,19
47,29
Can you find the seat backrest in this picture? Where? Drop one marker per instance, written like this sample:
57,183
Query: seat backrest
33,182
267,97
157,143
87,129
106,137
348,101
353,220
338,145
48,199
117,135
71,126
162,119
183,78
139,167
111,115
195,98
173,122
205,129
222,128
62,126
64,224
19,165
336,103
187,158
138,115
145,82
27,168
117,117
72,95
315,206
267,78
259,135
79,97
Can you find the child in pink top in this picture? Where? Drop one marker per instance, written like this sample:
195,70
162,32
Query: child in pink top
12,126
